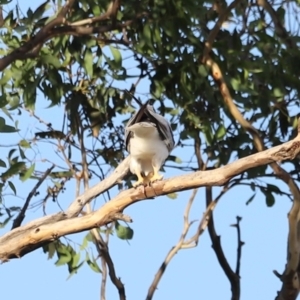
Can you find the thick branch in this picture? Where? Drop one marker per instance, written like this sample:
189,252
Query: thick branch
22,239
38,39
31,48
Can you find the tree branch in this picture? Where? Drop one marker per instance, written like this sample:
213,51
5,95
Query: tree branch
290,277
23,239
173,250
183,243
279,27
214,32
240,244
233,278
31,48
36,41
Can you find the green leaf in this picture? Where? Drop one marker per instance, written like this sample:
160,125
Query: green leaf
270,200
172,196
6,128
24,144
22,154
12,187
88,62
6,76
74,270
92,264
84,243
63,259
202,70
175,159
41,10
4,223
29,94
220,133
274,188
2,164
3,101
10,153
64,255
50,249
13,170
208,134
236,84
117,57
123,232
75,259
89,237
250,199
178,160
51,60
28,173
2,2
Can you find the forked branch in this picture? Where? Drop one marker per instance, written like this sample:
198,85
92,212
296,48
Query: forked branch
232,276
183,243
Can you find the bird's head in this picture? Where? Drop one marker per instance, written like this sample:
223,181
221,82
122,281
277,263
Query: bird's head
143,129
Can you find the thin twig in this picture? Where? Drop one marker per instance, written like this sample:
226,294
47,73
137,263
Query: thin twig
49,125
173,250
110,13
19,219
182,243
240,243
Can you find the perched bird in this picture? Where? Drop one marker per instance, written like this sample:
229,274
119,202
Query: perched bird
149,140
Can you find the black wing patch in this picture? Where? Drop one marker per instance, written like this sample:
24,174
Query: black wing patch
139,116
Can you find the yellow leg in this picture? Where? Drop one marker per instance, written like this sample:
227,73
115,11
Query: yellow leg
156,176
142,179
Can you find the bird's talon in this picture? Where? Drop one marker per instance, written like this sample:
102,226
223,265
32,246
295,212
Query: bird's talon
156,178
144,182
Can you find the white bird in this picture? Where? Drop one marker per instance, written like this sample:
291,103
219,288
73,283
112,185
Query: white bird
149,140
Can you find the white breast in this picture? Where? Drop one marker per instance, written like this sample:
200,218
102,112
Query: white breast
147,151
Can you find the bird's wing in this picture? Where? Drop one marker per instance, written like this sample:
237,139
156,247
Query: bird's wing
163,127
133,120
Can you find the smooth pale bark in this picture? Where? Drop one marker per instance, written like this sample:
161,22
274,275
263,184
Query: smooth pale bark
33,235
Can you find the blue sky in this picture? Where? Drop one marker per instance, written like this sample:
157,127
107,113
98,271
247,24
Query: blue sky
157,227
